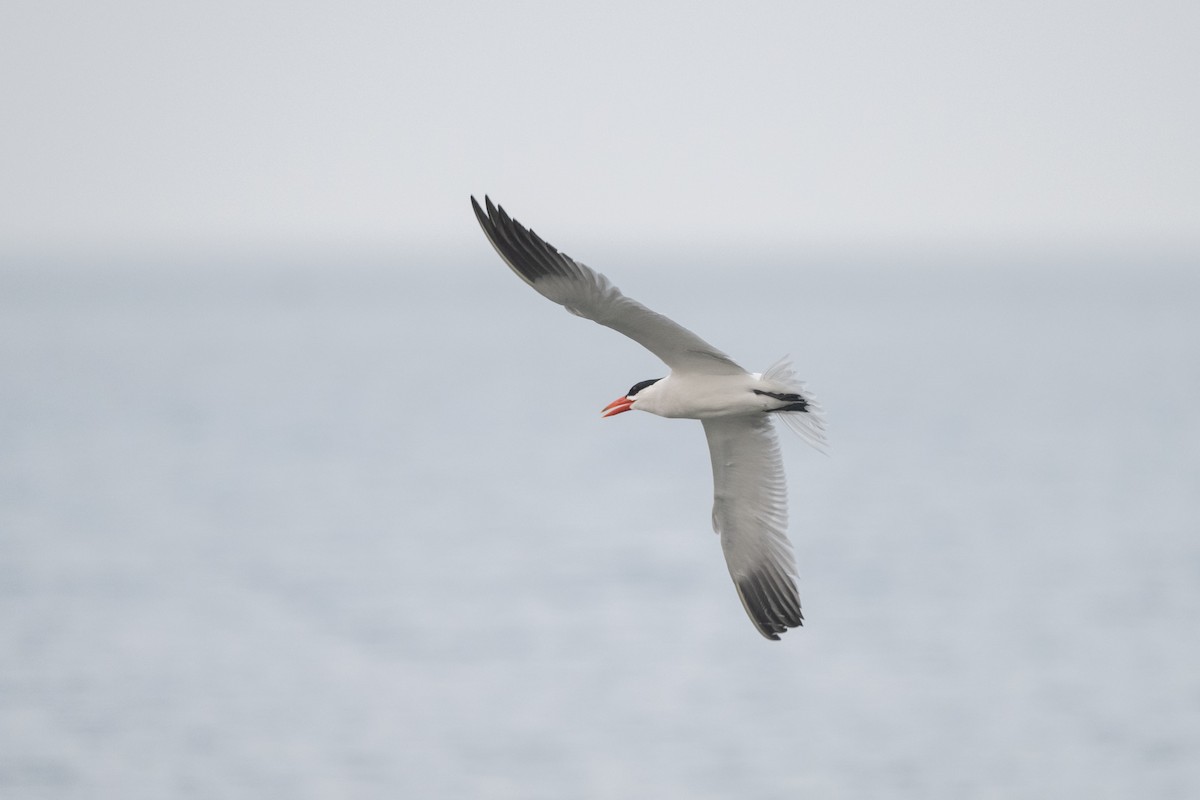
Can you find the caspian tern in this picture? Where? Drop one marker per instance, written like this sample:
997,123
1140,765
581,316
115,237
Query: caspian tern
735,407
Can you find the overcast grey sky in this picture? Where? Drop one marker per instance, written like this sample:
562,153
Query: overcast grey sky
366,124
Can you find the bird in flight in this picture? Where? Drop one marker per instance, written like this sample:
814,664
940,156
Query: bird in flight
736,408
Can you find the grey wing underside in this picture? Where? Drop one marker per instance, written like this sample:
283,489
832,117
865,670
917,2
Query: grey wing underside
586,293
750,514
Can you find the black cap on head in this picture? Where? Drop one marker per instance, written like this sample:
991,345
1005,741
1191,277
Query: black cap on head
637,387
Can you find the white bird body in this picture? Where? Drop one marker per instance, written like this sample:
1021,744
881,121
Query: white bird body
735,407
693,395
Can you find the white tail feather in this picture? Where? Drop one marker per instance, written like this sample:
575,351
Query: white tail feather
808,425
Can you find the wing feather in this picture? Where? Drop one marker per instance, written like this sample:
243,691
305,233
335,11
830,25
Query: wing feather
587,293
750,514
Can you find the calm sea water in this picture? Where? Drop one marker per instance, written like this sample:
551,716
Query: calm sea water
340,532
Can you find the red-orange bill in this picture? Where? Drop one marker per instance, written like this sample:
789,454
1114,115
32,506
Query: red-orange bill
618,406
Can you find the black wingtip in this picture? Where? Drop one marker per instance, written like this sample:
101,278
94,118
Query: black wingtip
528,254
479,215
772,605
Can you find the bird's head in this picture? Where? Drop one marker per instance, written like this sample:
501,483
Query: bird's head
629,401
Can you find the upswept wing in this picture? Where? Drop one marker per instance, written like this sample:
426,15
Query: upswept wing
750,514
586,293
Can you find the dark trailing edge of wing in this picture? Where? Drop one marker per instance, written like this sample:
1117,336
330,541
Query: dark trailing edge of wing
523,250
772,602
